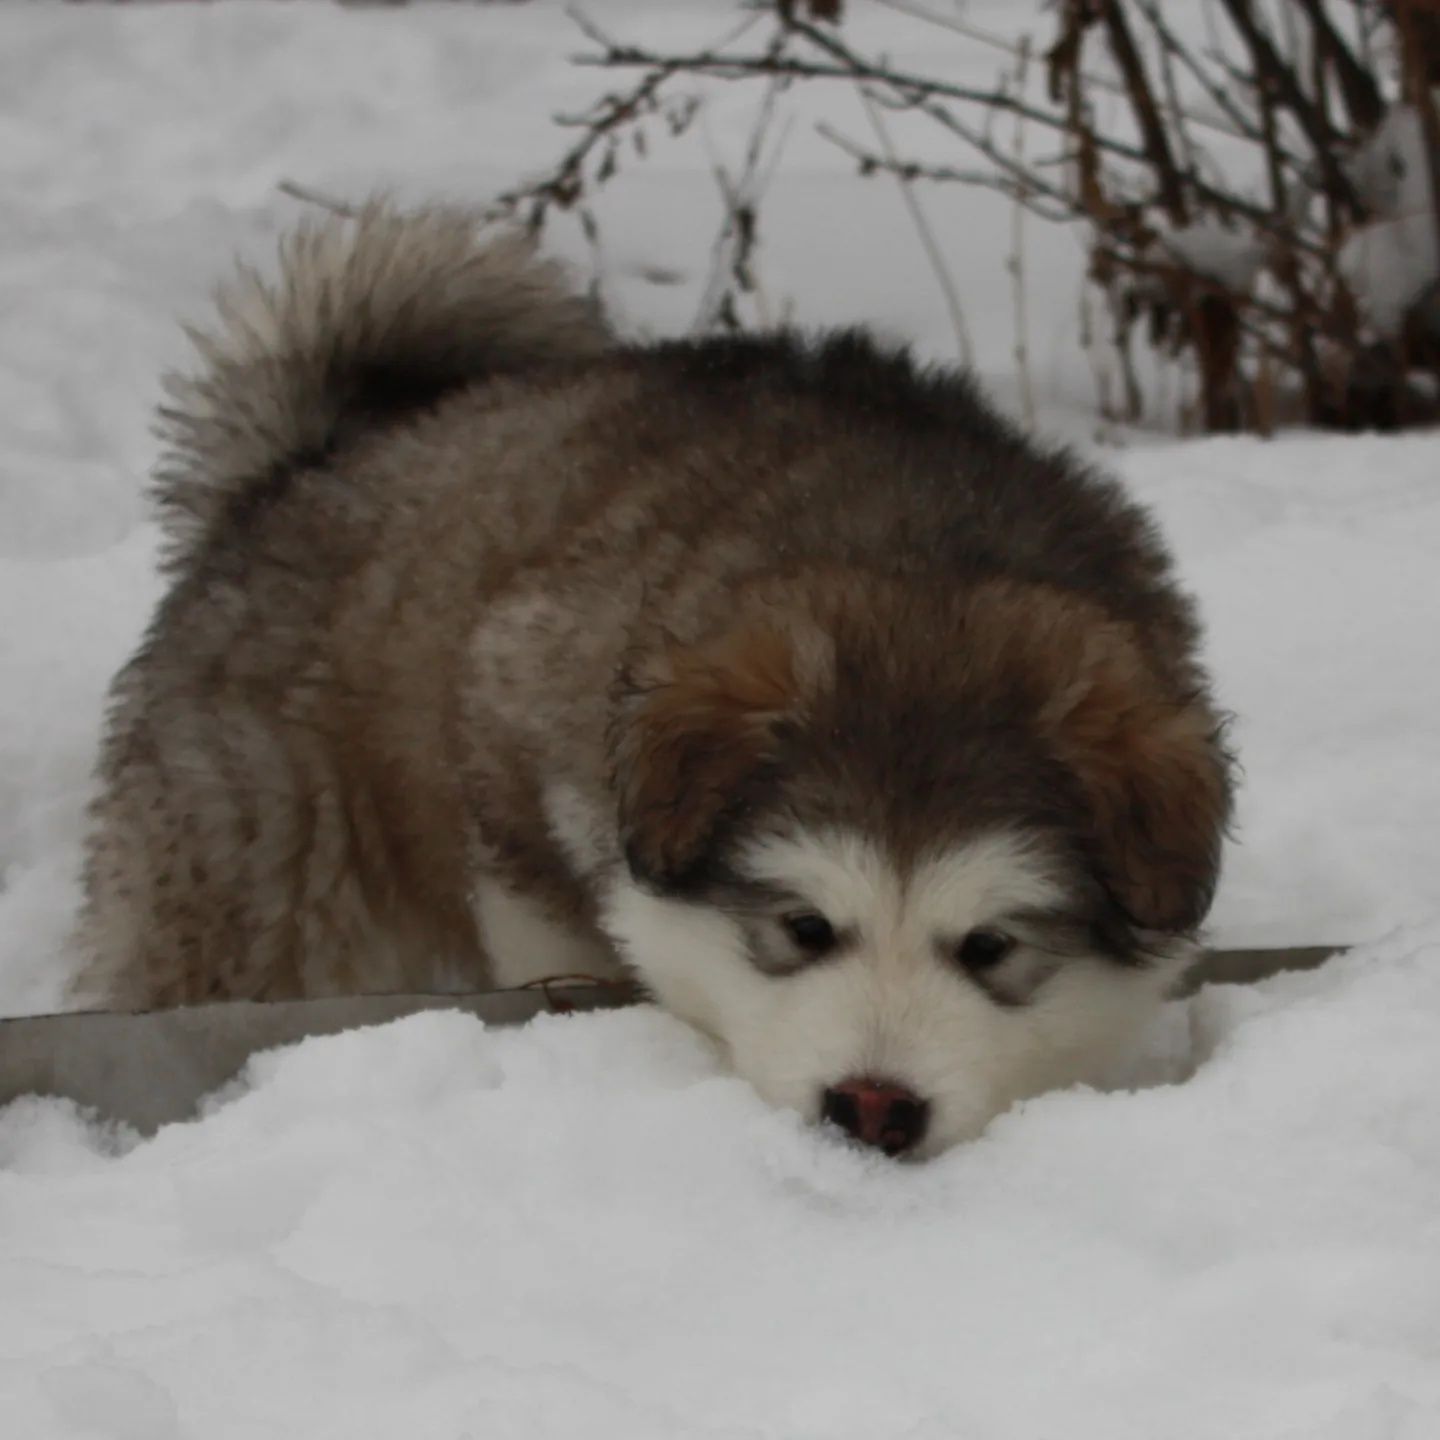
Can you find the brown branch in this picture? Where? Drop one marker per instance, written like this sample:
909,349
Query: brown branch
1030,193
1363,101
933,253
1243,125
601,123
565,181
915,92
1284,260
1294,91
1422,97
1146,111
733,250
854,68
1014,48
1190,154
1127,258
1224,203
1016,262
1271,69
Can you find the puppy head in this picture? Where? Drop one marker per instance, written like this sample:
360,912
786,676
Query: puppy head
914,862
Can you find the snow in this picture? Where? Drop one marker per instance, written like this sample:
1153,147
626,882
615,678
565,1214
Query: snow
1389,170
1389,264
1225,256
585,1227
1390,261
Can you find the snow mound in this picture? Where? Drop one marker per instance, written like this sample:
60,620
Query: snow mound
1391,261
584,1227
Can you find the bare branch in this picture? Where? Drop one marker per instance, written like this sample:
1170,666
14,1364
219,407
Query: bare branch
922,229
1031,192
854,68
731,265
1234,124
1240,123
1243,287
316,197
1016,263
1362,95
1147,112
1271,70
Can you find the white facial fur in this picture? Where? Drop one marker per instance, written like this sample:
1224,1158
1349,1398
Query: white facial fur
890,1005
524,944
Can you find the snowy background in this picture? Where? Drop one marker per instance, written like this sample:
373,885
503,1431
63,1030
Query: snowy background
584,1228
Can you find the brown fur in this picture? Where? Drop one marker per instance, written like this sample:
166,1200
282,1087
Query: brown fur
1096,744
1146,763
695,734
443,553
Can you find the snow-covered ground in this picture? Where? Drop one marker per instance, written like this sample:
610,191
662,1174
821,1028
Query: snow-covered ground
584,1228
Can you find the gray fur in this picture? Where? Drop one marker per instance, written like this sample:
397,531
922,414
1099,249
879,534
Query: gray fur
360,307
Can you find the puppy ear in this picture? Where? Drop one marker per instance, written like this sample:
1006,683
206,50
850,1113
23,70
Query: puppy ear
1155,777
695,730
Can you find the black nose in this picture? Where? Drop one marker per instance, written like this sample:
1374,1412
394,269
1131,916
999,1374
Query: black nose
875,1112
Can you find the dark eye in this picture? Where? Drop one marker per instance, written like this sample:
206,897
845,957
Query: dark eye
813,933
984,949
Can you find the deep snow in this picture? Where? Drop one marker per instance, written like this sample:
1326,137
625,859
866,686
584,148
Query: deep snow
584,1228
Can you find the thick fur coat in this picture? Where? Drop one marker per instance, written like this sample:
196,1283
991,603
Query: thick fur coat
772,671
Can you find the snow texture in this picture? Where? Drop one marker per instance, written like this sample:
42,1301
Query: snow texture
1389,170
1232,260
585,1228
1391,261
1389,264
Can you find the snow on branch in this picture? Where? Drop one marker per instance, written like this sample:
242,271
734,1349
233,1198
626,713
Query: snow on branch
1262,199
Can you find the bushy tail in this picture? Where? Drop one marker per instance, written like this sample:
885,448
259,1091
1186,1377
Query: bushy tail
369,317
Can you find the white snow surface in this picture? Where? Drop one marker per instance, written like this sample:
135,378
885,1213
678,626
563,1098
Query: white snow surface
585,1228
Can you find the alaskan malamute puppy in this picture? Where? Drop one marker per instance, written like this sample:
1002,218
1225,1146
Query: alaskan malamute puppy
776,672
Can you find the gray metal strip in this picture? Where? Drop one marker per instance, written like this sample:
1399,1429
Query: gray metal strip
154,1068
1244,967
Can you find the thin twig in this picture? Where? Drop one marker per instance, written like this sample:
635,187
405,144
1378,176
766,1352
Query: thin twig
1145,109
1013,48
1016,262
316,197
1241,124
737,66
1179,123
1271,69
932,249
1363,100
736,239
562,185
917,93
1028,192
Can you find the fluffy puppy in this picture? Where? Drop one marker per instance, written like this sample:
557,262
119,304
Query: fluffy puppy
776,672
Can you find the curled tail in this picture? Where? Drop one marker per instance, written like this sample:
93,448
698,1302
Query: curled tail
368,317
